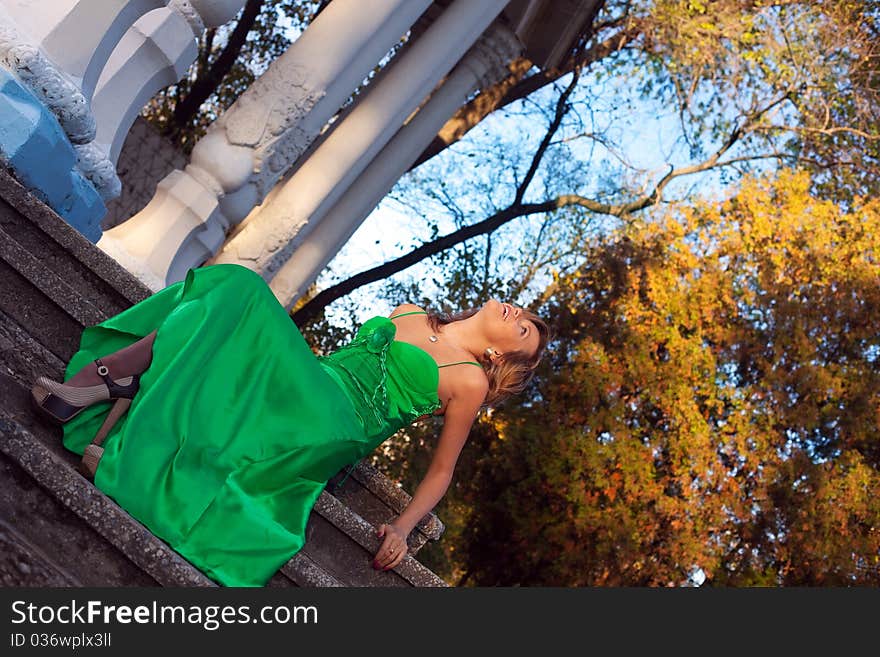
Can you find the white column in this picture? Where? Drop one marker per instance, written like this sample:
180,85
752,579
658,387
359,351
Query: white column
484,65
266,241
154,53
253,144
79,35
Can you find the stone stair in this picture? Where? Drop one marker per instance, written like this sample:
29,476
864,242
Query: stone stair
56,527
378,500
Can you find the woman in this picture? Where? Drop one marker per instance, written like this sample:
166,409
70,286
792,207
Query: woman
225,427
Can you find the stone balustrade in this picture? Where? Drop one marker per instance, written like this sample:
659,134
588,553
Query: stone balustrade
255,142
91,66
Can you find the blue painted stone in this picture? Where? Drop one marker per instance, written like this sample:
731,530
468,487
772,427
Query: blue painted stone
35,146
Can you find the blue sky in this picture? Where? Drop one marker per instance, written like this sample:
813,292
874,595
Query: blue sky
648,137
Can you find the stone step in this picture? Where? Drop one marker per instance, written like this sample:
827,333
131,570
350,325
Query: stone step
379,500
55,282
150,555
351,560
338,539
74,269
23,563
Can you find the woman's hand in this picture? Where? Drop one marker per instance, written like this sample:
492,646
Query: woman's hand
393,548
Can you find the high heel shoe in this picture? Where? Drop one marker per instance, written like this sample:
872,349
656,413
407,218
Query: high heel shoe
64,402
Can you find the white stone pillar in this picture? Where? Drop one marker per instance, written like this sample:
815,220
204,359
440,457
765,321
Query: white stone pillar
266,240
483,66
253,144
60,48
154,53
79,35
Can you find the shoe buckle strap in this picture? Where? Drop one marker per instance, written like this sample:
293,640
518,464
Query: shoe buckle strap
114,388
102,370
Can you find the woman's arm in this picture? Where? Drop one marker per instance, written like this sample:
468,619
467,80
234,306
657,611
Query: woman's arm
457,421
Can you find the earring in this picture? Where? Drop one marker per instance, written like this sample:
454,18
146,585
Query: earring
489,352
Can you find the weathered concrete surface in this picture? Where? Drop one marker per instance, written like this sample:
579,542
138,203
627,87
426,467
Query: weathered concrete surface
100,513
358,571
24,564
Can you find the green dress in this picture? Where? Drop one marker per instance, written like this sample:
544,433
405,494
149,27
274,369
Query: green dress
237,425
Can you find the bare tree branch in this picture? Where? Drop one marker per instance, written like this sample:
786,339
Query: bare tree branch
519,209
325,297
321,8
516,87
826,131
559,114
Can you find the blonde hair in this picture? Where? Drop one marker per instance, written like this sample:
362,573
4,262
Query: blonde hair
511,372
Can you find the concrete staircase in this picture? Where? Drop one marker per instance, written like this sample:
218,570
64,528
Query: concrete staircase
56,528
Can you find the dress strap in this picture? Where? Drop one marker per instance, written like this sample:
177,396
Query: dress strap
414,312
462,362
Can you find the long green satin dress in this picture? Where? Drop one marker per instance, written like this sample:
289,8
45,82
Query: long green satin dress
237,425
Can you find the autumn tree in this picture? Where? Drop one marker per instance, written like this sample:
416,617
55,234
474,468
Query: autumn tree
711,401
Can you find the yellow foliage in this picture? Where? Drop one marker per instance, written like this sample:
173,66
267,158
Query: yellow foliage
721,381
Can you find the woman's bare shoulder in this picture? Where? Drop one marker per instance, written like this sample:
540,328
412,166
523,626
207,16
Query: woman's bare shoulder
469,382
406,308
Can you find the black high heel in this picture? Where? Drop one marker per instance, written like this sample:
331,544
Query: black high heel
64,402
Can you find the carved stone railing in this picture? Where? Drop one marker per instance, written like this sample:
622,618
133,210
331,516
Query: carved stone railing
247,150
93,66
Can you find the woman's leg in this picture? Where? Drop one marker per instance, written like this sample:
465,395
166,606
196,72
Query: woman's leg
133,359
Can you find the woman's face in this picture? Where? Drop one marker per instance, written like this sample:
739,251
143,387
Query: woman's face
508,329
